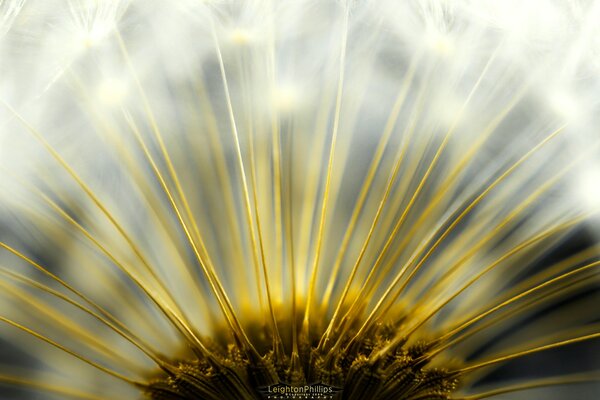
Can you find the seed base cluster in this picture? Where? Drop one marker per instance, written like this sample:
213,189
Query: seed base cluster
352,371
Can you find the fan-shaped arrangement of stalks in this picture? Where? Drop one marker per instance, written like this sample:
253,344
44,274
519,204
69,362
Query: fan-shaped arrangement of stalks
228,199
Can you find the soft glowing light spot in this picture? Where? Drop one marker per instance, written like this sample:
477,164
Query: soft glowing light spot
286,97
439,43
565,105
111,92
451,110
537,20
588,187
241,37
96,34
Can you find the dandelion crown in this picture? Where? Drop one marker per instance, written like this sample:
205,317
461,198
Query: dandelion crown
277,199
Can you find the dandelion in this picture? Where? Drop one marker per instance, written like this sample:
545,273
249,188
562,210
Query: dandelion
275,199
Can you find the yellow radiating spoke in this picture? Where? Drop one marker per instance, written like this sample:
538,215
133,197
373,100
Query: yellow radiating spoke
447,185
216,286
71,221
147,194
240,163
310,188
323,214
465,212
224,175
370,177
525,244
550,272
62,390
272,72
74,354
504,224
199,253
155,298
399,224
38,136
517,310
120,330
589,377
523,353
62,283
61,322
389,186
277,342
533,240
515,298
446,232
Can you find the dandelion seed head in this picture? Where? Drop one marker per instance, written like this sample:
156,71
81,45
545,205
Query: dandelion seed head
209,198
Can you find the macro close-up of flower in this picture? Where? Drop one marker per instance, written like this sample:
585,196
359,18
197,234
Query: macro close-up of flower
299,199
